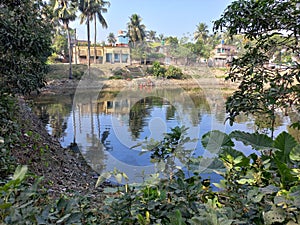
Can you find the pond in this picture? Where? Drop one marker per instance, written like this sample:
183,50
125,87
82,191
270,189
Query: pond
107,124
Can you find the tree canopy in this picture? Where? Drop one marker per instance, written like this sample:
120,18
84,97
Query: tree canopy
273,27
25,40
136,30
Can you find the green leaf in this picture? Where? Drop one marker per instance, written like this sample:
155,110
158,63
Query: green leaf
255,140
74,218
5,205
213,141
20,173
176,218
254,195
230,151
64,218
286,176
119,177
285,143
269,189
103,177
295,194
295,153
276,215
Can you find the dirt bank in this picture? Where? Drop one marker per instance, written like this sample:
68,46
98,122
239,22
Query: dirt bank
64,171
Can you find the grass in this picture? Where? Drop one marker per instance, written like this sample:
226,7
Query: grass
61,71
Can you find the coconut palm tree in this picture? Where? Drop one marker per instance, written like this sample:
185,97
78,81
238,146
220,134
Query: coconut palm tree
136,30
111,39
65,12
151,35
85,7
98,7
201,32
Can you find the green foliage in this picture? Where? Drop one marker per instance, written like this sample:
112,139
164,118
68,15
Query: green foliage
260,187
136,30
157,70
257,189
21,203
173,72
263,89
60,70
60,44
8,133
25,40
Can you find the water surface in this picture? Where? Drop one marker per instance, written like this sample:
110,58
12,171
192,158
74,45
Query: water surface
107,124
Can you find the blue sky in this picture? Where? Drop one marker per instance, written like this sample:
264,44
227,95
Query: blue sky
168,17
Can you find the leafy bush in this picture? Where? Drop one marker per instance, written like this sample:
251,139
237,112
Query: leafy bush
119,72
25,40
157,70
21,203
261,188
173,72
8,133
116,77
78,71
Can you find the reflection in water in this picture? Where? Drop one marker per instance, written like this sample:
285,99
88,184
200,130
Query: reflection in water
106,127
54,113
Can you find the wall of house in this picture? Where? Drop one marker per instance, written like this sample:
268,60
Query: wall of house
104,54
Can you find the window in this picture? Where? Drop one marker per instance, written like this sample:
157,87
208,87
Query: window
124,58
117,57
108,57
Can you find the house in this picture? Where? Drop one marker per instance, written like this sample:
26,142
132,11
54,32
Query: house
119,53
122,39
223,54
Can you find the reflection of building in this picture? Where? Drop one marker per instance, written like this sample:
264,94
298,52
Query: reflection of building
104,54
113,106
223,54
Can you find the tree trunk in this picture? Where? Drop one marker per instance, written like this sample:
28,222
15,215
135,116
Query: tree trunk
89,42
95,39
70,50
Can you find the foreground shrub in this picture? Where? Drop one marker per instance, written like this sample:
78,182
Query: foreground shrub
261,188
8,133
24,203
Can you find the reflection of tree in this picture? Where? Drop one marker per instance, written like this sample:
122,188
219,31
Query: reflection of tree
94,152
137,115
263,122
58,120
170,114
42,113
54,114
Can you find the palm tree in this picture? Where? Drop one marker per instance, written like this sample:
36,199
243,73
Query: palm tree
111,39
136,30
161,37
152,35
201,32
65,11
97,9
85,7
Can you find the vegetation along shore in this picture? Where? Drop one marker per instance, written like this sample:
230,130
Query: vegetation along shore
256,63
